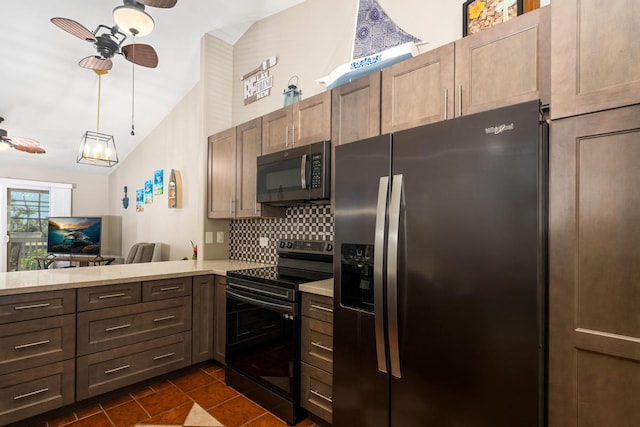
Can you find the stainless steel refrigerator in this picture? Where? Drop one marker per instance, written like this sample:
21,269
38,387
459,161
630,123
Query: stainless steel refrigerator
440,274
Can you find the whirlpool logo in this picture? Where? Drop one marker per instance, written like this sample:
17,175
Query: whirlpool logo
495,130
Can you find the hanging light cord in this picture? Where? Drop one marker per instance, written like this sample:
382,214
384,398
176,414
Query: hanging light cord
133,85
98,117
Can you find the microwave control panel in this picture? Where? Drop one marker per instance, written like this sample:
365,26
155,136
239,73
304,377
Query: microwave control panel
316,170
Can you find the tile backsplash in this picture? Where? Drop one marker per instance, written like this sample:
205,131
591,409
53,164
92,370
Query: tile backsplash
310,222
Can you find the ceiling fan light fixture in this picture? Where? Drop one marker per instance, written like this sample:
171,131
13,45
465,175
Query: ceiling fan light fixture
133,20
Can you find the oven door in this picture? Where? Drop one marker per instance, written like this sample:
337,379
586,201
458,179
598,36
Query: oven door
263,340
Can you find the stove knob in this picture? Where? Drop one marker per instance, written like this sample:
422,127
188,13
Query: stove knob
289,245
329,247
281,244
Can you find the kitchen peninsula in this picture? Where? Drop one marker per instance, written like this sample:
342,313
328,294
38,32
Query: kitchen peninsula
75,333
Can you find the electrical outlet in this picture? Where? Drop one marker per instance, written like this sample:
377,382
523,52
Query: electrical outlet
220,237
208,237
264,241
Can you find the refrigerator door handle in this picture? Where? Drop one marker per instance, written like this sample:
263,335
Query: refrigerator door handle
392,274
378,272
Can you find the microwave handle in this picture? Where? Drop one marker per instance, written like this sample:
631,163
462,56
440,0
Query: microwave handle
303,171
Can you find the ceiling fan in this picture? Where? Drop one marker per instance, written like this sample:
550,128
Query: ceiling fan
108,40
19,143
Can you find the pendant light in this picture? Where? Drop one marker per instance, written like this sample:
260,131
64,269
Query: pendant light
96,148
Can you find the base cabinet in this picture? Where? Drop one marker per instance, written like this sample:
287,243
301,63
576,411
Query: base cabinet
316,371
220,315
37,353
203,318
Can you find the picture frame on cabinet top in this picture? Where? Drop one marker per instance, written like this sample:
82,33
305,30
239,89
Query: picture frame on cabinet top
478,15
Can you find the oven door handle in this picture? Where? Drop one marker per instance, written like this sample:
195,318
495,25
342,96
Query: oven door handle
282,308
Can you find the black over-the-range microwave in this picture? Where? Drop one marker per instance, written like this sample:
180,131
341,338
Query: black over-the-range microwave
298,174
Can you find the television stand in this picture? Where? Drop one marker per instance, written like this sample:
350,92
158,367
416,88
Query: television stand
45,262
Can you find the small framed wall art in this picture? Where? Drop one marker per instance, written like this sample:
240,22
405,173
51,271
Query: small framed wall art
478,15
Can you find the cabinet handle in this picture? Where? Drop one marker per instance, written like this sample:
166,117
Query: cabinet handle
170,288
33,344
33,393
286,136
27,307
119,368
293,133
115,328
161,319
324,347
446,103
321,396
321,308
163,356
118,295
460,101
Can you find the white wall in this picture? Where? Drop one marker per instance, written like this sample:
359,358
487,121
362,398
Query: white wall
89,195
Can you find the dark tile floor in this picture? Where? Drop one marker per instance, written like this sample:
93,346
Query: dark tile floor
197,398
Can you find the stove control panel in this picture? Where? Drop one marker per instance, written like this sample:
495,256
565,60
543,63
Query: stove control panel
305,246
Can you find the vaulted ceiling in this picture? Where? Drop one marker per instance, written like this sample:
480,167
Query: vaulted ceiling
46,96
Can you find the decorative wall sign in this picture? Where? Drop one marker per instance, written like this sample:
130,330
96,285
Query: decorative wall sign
158,182
258,82
139,200
175,189
478,15
148,191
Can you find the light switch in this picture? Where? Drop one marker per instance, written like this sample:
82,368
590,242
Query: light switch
220,237
208,237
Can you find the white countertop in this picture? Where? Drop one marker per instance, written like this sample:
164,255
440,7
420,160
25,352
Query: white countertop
321,287
19,282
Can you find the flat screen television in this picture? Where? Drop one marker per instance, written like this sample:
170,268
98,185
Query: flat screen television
74,235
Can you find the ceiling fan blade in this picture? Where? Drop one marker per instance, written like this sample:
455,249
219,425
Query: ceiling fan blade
141,54
74,28
159,3
96,63
26,144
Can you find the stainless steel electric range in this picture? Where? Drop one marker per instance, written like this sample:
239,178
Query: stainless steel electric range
263,325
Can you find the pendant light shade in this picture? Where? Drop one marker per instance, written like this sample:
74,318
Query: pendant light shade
132,19
97,149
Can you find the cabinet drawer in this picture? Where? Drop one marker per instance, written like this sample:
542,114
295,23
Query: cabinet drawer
36,342
27,393
316,391
166,288
317,343
101,330
109,296
16,308
317,307
113,369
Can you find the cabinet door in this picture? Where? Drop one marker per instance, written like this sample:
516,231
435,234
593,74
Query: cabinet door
203,319
594,288
355,110
312,119
419,90
248,148
222,174
276,130
595,56
220,323
504,65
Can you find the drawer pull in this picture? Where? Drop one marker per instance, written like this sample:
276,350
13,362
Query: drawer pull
170,288
115,328
119,368
161,319
321,396
33,393
27,307
164,356
324,347
33,344
118,295
321,308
